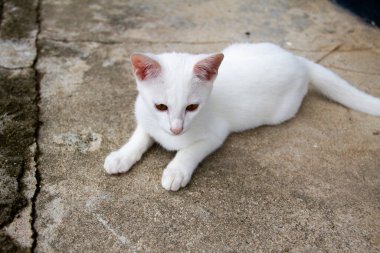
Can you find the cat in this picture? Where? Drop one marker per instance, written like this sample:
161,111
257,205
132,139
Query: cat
191,103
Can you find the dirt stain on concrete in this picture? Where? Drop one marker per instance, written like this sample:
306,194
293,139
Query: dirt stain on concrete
18,19
18,121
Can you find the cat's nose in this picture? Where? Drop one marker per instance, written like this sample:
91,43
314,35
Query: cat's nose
176,126
176,131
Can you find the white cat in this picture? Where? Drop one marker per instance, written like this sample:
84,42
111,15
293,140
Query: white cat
191,103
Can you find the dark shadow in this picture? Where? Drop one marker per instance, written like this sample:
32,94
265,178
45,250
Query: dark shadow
368,10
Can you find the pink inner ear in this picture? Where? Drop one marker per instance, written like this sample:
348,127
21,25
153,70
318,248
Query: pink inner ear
207,69
145,67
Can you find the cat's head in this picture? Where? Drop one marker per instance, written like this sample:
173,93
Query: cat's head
175,86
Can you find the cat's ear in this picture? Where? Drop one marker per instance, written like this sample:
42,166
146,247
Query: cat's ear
145,67
207,69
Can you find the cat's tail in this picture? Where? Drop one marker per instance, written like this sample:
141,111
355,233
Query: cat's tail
339,90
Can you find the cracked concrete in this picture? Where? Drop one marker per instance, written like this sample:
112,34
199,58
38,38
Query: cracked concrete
309,185
18,123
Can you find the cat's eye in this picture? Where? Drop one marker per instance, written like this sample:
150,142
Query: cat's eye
192,107
161,107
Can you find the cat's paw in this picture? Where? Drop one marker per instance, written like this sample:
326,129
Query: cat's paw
118,162
174,178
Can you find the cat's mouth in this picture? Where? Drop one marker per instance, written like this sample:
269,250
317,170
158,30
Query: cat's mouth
176,132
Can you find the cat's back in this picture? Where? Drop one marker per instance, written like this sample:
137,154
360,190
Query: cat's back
255,79
247,50
248,60
254,64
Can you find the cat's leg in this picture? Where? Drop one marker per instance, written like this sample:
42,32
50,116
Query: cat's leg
179,171
122,160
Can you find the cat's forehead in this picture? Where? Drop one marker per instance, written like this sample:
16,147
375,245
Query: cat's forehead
175,58
177,65
176,84
177,72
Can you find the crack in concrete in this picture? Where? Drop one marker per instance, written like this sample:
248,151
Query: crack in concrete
108,42
34,199
1,11
359,49
121,238
334,49
353,70
18,68
37,130
134,40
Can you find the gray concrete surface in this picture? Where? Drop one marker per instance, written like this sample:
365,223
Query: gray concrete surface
309,185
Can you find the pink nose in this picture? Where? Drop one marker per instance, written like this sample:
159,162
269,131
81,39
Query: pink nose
176,131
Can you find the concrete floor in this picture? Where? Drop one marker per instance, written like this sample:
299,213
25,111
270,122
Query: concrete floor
311,184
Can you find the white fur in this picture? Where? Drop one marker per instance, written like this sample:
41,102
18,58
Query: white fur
257,84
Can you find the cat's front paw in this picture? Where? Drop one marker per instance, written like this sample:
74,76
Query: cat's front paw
174,178
118,162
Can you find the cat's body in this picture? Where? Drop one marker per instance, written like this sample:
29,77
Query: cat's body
257,84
